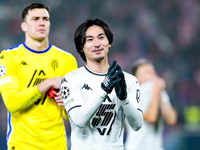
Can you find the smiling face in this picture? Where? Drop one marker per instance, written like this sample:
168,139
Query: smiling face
36,24
96,46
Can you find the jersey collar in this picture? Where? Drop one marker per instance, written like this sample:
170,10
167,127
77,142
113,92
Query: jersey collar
98,74
34,51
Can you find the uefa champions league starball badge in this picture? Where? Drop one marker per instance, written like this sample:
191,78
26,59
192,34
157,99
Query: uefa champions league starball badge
65,92
2,70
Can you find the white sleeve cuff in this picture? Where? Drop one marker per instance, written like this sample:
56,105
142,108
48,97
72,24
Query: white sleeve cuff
124,102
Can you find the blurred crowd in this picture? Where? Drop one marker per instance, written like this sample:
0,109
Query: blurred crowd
164,31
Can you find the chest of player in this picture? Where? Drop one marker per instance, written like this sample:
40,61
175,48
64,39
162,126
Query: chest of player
90,87
33,70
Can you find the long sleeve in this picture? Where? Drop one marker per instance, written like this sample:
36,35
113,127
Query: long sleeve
133,115
16,101
131,106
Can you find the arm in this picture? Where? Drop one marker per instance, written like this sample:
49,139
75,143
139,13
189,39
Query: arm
168,112
79,111
82,115
134,116
17,101
151,114
70,65
131,106
129,98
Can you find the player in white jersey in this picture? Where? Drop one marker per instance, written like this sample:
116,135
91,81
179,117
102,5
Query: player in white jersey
98,97
156,107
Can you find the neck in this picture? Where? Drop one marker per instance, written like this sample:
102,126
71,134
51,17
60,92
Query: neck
98,67
37,45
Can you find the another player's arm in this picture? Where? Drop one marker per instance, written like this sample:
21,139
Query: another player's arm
151,114
16,100
168,112
70,65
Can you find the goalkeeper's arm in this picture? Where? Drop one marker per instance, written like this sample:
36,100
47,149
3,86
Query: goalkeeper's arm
16,101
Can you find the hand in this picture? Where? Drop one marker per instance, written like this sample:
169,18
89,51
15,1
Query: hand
111,78
159,83
45,85
51,93
56,95
58,99
120,88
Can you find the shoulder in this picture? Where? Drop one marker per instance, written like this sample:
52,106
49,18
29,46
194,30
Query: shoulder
63,53
11,52
59,50
76,74
12,49
147,85
131,81
130,77
74,77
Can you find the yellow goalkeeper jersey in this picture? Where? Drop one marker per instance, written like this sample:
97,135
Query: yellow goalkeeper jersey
34,121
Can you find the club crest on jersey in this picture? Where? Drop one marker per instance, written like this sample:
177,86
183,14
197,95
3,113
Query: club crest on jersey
2,70
65,92
54,64
138,95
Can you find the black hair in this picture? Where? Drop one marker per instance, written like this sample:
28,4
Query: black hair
32,6
80,38
139,62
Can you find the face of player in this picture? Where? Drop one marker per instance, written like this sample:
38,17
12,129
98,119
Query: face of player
97,45
145,73
37,24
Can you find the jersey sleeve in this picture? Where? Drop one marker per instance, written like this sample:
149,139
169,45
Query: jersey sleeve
71,94
9,86
133,91
165,97
131,106
8,77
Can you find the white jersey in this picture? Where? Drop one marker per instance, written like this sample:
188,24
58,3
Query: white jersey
106,127
149,137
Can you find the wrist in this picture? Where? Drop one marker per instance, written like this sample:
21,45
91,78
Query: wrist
124,102
102,93
44,86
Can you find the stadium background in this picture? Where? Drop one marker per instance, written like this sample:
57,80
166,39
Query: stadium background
165,31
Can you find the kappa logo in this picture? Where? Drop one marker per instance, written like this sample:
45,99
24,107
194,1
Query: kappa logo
86,86
13,147
2,57
63,80
24,63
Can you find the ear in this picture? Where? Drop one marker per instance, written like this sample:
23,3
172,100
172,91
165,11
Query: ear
24,26
109,45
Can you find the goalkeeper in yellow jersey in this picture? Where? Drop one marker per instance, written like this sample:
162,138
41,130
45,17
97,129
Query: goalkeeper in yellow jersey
27,73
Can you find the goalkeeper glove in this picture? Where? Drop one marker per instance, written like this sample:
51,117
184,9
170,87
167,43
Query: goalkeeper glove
120,87
111,78
51,93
